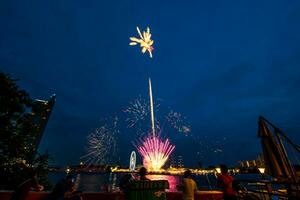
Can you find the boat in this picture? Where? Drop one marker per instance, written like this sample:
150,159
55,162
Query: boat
284,182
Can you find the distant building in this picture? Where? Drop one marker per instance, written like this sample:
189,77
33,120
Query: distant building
41,111
180,162
176,161
259,162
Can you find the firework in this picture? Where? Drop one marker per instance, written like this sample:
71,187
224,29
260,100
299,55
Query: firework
209,145
137,110
151,108
178,122
155,152
144,41
101,144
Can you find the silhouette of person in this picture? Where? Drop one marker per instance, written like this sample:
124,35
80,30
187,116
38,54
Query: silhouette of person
143,173
188,186
23,189
225,183
64,190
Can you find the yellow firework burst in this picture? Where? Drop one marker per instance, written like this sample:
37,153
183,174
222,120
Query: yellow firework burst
145,41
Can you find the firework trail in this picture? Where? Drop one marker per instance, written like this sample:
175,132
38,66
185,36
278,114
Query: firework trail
151,108
154,149
101,144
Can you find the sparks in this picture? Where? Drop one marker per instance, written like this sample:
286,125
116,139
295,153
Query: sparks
178,122
101,144
144,41
155,152
137,111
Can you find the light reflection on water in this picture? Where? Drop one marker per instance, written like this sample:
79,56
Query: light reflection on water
173,180
96,182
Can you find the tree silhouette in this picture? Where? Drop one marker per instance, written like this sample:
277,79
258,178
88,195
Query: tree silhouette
18,135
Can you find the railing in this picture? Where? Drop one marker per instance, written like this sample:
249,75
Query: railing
265,189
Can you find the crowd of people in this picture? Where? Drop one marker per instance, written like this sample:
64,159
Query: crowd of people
65,189
224,182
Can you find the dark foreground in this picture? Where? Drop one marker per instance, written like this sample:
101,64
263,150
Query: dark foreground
200,195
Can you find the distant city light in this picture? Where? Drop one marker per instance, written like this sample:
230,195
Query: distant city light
261,170
68,170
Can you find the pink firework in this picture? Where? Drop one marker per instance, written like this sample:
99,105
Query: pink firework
155,152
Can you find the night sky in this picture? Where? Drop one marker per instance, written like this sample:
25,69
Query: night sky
219,63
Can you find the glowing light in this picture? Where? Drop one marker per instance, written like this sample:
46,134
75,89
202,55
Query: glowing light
261,170
151,108
173,180
114,169
137,114
137,111
101,144
144,41
68,170
178,121
132,161
155,152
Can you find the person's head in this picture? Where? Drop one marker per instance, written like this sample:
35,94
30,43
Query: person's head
224,169
143,172
187,174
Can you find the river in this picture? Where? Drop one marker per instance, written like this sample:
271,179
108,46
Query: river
95,182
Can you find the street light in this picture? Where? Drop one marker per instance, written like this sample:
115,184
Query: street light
261,170
218,169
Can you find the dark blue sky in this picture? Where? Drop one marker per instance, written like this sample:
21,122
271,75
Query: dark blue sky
219,63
